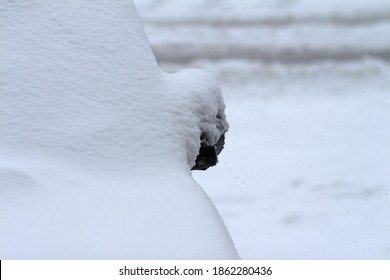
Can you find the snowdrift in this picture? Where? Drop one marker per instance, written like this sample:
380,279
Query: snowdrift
97,143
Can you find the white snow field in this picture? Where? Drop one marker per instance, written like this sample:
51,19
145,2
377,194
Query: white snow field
96,142
305,173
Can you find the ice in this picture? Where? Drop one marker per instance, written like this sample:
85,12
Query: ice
97,143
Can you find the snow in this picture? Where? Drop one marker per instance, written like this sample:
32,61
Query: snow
272,10
97,143
305,169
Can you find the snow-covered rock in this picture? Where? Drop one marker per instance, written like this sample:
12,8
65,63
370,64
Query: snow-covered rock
96,142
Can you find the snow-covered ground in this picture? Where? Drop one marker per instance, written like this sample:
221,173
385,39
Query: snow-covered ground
305,172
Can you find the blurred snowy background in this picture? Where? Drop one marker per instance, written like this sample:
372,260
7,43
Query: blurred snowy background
306,168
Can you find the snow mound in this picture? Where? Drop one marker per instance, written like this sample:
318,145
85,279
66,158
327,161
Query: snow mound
96,142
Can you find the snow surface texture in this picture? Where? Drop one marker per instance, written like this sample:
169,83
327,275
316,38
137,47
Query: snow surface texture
96,142
305,171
